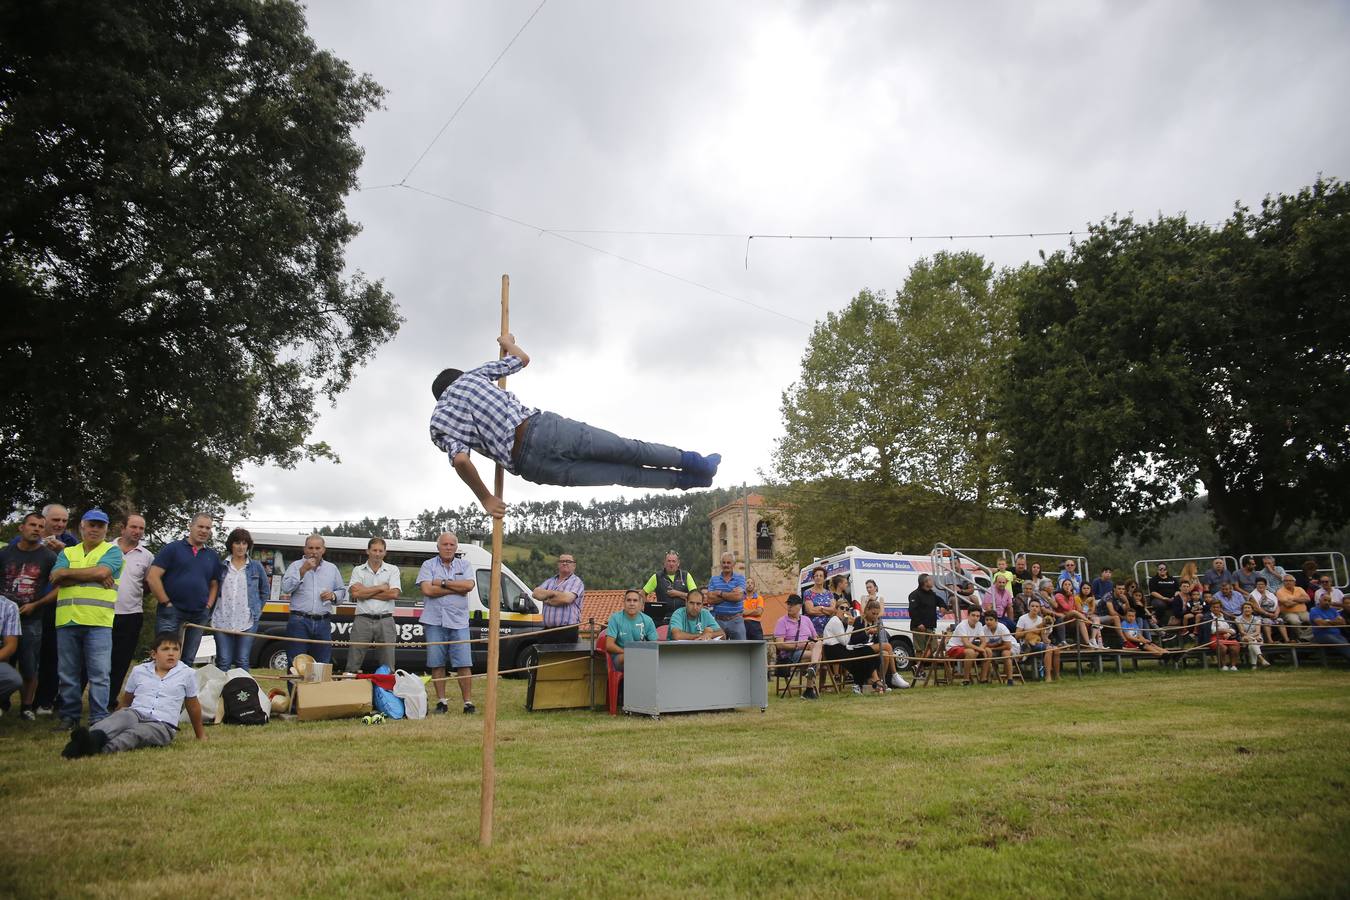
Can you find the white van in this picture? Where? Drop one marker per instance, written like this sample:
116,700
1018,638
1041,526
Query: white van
897,576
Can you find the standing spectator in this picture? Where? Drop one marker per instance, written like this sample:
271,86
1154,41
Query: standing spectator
924,603
967,645
818,602
628,625
693,622
1246,575
85,576
1001,575
562,596
1273,574
1230,599
1020,574
726,591
839,591
445,581
999,601
1249,634
1294,602
55,538
1162,589
183,580
1326,631
754,612
244,588
1071,573
375,585
10,632
1102,585
795,637
1216,576
1000,644
315,586
667,589
1268,605
1033,633
129,614
1324,586
25,571
1224,638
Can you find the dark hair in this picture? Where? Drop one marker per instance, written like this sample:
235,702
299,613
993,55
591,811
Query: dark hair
838,579
34,515
376,540
239,534
794,600
632,591
443,381
166,637
698,591
820,569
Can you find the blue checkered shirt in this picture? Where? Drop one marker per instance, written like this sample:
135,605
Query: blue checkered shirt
475,414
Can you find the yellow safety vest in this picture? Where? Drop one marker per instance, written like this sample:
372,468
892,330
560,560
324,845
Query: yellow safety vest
88,603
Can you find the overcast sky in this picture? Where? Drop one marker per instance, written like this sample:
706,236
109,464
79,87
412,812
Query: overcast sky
843,118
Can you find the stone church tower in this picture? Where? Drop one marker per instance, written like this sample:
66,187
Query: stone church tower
749,529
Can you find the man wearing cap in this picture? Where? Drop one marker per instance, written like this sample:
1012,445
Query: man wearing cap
184,578
794,637
85,578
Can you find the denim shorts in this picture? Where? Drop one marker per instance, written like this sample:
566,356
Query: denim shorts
30,646
453,656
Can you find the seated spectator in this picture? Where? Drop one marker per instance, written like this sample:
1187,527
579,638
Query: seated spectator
1067,610
1190,572
869,632
966,645
1294,603
628,625
1021,575
1324,586
1216,576
1132,634
966,598
1231,599
924,603
1143,612
1248,626
1022,600
1268,607
148,710
1246,575
1070,573
1273,574
1162,590
999,601
1000,644
10,632
692,622
794,639
1033,632
860,662
1060,625
1103,585
1326,621
1037,575
1087,605
1194,616
1307,579
1224,641
1111,612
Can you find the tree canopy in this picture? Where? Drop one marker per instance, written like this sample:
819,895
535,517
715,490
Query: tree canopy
1154,360
172,239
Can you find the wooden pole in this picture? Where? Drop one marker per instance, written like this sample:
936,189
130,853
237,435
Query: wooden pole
488,794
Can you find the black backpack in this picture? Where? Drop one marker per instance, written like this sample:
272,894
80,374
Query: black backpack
243,702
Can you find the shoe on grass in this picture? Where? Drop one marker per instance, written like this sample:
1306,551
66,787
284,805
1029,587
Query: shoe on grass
28,715
810,694
469,708
44,710
441,707
897,682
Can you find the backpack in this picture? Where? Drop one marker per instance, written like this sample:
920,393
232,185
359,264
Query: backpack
411,690
386,701
242,700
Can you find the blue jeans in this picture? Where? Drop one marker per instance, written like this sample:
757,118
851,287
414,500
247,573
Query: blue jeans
171,618
565,452
233,650
10,680
1334,639
297,626
82,649
732,626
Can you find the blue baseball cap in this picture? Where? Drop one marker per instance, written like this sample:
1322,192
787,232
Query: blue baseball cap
95,515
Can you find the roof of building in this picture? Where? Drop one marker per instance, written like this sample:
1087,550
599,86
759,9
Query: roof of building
755,500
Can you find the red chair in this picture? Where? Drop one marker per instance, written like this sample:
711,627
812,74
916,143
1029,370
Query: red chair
662,631
613,675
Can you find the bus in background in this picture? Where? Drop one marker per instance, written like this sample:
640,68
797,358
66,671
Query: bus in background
520,614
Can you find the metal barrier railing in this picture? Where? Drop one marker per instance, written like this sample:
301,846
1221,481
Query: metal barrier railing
1057,560
952,568
1335,563
993,554
1144,568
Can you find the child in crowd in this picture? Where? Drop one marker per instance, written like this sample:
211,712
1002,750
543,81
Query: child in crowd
1193,609
1223,640
1000,643
1249,627
1132,634
148,709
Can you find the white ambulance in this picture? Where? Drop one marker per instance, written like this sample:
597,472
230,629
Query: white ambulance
897,575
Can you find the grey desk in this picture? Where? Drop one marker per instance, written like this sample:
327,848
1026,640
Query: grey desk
694,676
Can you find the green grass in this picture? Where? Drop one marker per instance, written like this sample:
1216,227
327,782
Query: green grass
1197,784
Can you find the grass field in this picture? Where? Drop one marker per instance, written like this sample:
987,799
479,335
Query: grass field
1196,784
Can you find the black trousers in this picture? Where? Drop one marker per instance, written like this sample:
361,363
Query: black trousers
126,633
49,682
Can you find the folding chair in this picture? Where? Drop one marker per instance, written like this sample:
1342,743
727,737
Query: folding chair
935,673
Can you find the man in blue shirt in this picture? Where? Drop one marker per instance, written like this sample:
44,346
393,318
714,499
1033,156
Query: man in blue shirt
1070,571
726,591
693,623
1102,586
314,586
473,413
1324,618
183,578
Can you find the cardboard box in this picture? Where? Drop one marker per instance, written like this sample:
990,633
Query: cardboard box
332,699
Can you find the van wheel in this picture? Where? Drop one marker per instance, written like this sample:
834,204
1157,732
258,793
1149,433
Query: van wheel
903,650
524,659
274,656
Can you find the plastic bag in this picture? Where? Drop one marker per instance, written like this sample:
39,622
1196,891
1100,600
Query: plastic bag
387,703
413,692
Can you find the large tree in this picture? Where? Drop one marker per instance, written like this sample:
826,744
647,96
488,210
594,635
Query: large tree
172,238
1158,360
890,432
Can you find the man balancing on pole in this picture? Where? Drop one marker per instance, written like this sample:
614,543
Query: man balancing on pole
473,413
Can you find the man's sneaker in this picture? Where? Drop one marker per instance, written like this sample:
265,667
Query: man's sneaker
810,673
810,694
44,710
469,708
441,707
898,682
1010,682
28,715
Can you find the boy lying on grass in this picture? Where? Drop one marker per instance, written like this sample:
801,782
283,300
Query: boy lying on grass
148,708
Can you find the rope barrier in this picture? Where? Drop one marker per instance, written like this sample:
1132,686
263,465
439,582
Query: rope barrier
341,643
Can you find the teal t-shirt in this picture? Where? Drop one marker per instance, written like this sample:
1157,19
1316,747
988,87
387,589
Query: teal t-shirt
623,630
680,620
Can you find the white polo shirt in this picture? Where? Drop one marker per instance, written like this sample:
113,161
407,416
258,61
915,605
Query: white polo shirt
131,583
365,576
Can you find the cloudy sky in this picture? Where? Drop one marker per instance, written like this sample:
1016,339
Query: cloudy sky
741,118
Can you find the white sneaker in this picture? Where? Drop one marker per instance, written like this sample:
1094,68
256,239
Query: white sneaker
857,689
898,682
